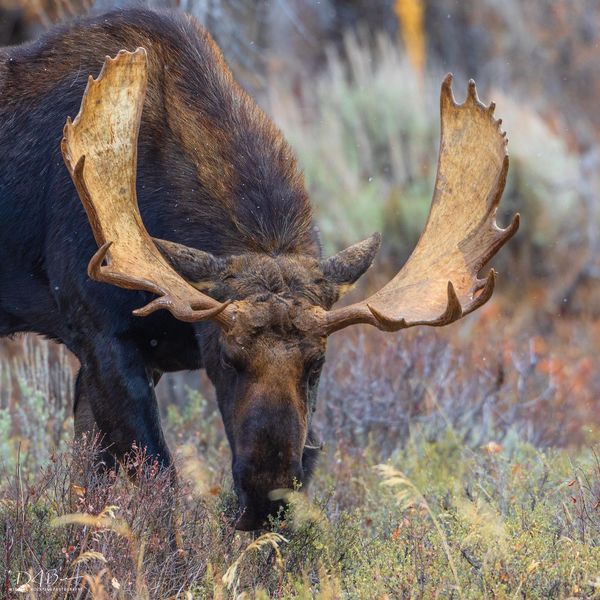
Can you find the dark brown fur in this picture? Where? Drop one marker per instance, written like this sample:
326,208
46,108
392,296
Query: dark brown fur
236,153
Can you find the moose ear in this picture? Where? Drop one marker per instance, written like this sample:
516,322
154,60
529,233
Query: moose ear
200,269
345,267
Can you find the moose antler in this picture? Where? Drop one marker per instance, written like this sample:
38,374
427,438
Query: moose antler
100,150
439,283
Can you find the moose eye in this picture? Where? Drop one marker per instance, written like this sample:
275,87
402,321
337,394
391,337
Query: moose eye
233,359
313,368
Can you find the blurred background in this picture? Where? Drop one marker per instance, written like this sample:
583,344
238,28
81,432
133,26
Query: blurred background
354,85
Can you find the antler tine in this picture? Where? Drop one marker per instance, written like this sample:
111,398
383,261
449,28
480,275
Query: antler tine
439,283
99,148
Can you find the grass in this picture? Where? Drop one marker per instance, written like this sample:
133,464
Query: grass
437,518
443,506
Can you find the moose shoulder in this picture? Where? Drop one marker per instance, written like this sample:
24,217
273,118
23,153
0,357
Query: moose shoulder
205,216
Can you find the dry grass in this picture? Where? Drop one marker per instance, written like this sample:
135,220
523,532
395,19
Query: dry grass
465,504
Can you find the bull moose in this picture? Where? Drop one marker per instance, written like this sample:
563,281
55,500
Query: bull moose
199,208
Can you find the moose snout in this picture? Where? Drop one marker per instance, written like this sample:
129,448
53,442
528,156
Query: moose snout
269,438
256,489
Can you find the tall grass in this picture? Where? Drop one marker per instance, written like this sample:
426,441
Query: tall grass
36,395
441,517
363,134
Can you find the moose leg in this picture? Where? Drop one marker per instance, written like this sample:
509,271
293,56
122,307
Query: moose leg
86,428
92,448
115,399
115,394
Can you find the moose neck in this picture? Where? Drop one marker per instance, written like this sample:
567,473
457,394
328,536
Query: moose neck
232,181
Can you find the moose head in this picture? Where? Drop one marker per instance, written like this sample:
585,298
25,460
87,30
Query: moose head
270,315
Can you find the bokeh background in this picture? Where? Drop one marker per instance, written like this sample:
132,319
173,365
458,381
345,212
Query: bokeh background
354,85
